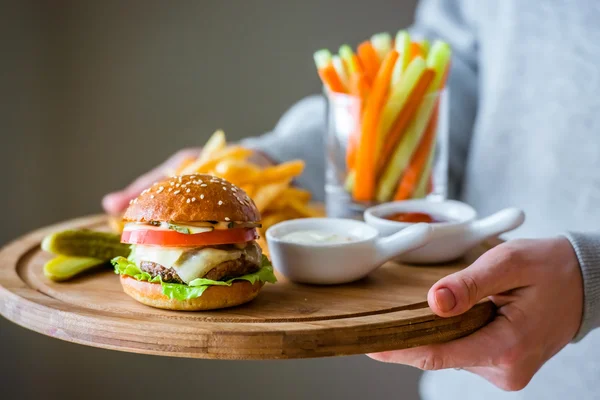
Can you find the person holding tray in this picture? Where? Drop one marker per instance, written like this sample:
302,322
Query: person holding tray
523,131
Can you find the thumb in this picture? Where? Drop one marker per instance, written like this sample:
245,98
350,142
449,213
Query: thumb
497,271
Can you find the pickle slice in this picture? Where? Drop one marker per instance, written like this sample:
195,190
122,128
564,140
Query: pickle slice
62,268
86,243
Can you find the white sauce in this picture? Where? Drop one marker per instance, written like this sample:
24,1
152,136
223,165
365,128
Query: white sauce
316,237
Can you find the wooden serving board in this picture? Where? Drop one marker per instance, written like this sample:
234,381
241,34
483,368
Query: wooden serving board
388,310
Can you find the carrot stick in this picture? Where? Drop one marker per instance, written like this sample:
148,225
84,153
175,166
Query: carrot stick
351,151
399,92
404,118
414,171
342,72
429,188
425,184
327,71
369,59
331,79
359,87
415,50
364,189
357,64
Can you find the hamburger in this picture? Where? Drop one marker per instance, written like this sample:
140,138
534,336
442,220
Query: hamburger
193,246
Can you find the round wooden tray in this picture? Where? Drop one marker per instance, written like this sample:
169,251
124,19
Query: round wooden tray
387,310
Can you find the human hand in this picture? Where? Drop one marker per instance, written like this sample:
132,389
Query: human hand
538,289
115,203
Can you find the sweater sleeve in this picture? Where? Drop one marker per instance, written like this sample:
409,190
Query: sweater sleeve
299,134
301,130
587,249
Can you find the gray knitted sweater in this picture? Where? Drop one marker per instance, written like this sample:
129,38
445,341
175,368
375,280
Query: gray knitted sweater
524,131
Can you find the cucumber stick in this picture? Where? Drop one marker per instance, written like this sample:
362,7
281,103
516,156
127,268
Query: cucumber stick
398,95
347,54
382,43
438,60
421,189
405,150
402,45
338,64
425,45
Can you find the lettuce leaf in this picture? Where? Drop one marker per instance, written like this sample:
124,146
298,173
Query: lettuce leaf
195,288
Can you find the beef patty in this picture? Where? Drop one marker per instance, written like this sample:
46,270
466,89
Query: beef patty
226,270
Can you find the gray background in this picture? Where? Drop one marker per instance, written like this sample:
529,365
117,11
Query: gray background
95,93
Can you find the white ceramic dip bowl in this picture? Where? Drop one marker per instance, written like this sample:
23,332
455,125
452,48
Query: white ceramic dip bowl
451,239
342,251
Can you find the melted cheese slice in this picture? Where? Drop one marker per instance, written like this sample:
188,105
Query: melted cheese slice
188,263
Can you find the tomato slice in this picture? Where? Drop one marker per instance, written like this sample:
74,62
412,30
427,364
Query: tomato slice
176,239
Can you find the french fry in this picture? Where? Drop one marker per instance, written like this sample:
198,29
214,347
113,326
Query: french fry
269,187
303,209
237,172
249,189
266,194
233,152
300,194
282,171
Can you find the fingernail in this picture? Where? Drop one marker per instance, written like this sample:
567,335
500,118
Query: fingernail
445,300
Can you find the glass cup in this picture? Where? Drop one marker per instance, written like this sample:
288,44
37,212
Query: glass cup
410,161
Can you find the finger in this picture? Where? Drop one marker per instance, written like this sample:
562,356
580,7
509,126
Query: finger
497,271
476,350
116,202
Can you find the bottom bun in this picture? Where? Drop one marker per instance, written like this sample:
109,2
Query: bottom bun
213,298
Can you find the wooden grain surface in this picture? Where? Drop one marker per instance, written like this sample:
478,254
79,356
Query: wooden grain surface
387,310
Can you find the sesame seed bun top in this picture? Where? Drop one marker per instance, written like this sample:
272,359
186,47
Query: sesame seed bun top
192,198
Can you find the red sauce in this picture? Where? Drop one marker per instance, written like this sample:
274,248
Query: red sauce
412,217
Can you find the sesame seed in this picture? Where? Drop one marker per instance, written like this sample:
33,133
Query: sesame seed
188,201
233,189
176,192
134,201
204,185
130,202
224,188
171,183
179,179
187,191
179,184
220,202
201,196
152,196
170,189
193,199
227,219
